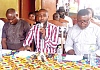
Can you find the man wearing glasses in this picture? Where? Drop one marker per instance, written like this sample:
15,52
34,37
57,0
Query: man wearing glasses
82,35
14,31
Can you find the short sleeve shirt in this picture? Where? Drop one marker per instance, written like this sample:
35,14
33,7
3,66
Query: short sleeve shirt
15,34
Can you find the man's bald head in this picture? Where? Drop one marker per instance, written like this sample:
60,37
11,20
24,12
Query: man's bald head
43,10
12,16
10,10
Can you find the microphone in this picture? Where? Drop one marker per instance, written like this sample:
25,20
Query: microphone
40,26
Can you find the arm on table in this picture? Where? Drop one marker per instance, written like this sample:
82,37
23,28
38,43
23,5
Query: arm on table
28,41
69,44
28,48
3,42
71,52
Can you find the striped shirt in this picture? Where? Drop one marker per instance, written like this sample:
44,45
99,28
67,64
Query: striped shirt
50,42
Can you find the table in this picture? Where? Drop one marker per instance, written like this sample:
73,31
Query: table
10,62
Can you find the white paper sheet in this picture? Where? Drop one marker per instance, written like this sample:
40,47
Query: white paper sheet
24,54
4,51
73,57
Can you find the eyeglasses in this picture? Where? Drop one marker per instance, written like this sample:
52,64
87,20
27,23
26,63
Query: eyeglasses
83,21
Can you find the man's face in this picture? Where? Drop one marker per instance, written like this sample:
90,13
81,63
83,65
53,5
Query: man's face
83,21
43,16
11,18
61,13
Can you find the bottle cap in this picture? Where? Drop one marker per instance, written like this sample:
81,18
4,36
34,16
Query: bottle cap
59,46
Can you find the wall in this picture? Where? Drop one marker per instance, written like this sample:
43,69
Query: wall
26,6
37,5
50,5
23,7
5,4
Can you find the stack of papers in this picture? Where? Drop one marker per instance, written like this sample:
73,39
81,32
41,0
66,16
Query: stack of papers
4,51
24,54
73,57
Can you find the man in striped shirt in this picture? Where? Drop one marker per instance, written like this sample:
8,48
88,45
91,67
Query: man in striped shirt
48,33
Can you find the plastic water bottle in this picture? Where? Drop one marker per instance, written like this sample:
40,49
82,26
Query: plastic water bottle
59,54
93,59
92,55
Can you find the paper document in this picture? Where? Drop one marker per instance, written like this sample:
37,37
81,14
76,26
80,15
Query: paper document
24,54
5,51
73,57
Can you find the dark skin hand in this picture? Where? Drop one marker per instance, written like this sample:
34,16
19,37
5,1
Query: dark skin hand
28,48
42,30
71,52
21,49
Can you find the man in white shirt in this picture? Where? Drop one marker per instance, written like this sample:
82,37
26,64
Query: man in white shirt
1,26
61,12
82,35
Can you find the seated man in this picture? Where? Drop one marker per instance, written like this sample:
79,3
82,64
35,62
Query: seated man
82,35
14,31
61,12
48,33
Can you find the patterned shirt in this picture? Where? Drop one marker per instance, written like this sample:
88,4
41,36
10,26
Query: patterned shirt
48,44
15,34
